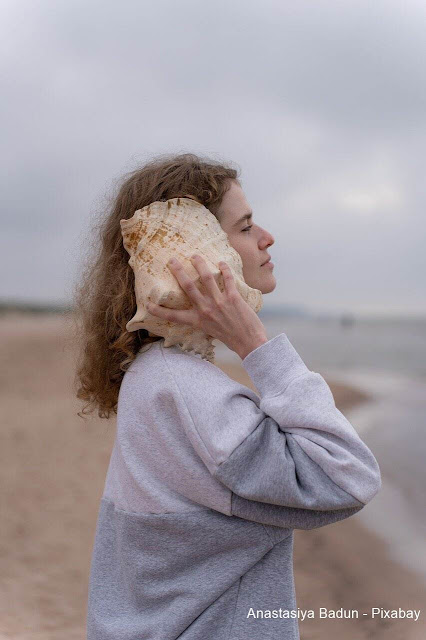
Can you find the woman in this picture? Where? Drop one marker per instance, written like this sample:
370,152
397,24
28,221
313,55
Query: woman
207,479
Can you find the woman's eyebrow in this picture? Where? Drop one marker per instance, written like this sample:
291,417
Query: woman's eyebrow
247,216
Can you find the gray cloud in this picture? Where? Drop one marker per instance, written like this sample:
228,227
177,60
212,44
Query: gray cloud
321,104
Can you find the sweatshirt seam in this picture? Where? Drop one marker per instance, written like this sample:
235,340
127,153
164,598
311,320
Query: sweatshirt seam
142,514
268,534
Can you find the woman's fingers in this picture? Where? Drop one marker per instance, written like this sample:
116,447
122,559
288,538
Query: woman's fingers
207,277
201,305
228,279
184,316
188,285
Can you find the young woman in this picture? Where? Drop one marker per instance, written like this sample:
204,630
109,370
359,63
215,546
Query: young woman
207,479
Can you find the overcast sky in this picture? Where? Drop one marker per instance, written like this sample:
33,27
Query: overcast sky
321,104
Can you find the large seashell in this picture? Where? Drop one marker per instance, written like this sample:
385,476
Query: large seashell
178,227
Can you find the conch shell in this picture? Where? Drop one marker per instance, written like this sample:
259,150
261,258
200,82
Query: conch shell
178,227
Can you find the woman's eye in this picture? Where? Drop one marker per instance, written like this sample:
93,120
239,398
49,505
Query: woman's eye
248,228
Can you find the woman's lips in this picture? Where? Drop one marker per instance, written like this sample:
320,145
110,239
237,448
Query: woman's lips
268,264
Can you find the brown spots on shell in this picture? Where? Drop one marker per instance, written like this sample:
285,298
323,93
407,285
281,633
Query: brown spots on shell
169,204
132,240
159,237
144,228
178,202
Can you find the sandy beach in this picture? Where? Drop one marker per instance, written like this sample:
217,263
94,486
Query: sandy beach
52,471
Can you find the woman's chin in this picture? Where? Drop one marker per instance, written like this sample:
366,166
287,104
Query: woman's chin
264,285
269,286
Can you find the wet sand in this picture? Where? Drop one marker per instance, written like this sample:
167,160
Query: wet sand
52,473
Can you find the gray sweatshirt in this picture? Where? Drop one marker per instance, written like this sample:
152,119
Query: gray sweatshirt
207,481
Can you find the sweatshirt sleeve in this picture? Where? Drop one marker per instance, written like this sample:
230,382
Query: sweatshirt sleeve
289,456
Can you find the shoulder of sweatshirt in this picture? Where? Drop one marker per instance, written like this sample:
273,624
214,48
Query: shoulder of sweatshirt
206,392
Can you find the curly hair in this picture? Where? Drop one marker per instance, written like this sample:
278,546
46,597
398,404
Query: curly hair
104,297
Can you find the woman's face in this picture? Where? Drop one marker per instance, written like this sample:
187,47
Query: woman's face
247,238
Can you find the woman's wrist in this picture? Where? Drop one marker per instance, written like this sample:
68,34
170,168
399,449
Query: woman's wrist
251,345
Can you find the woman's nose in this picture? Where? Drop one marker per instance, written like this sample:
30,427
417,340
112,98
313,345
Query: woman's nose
267,237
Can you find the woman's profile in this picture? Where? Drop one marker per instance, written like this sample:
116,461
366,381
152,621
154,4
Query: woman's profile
207,479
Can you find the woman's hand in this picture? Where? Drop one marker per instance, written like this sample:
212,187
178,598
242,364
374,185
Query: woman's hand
224,316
